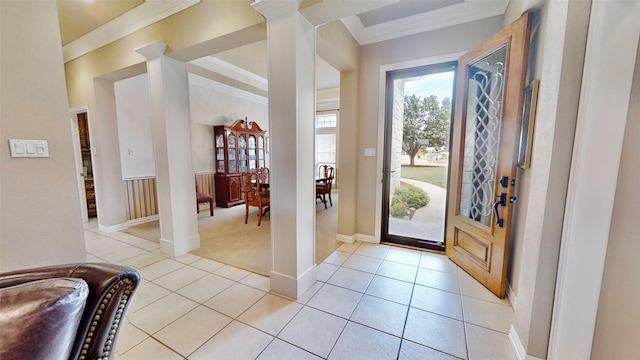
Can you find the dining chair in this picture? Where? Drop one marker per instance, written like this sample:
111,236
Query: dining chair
253,196
203,198
263,173
323,184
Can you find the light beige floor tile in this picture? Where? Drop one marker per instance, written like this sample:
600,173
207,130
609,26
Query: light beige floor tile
412,351
472,288
325,270
437,301
150,349
234,300
351,279
280,350
237,341
104,246
162,267
161,313
125,253
403,256
490,315
485,344
231,272
359,342
390,289
192,330
149,245
309,293
438,279
437,262
146,294
205,288
207,265
372,250
436,331
380,314
180,278
363,263
270,314
337,258
127,238
90,235
335,300
349,248
143,260
314,331
398,271
91,258
188,258
257,281
128,337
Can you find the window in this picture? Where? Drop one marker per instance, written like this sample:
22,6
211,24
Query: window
326,139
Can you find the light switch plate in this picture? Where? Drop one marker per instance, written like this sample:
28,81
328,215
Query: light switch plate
369,151
29,148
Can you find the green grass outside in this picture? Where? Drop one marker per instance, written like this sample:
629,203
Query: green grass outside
436,175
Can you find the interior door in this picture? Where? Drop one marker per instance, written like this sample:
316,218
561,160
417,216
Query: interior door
488,111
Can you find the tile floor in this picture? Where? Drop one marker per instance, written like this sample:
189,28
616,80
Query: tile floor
370,302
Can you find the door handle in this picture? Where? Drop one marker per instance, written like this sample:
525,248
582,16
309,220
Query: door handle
499,221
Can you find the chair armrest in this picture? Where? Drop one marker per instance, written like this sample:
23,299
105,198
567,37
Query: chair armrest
110,289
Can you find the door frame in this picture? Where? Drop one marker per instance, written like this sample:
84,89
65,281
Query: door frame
77,154
382,85
386,154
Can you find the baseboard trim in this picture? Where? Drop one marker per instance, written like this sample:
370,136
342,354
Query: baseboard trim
512,296
112,228
366,238
180,248
517,347
138,221
348,239
292,287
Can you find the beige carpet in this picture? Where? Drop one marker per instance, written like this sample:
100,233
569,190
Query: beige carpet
225,238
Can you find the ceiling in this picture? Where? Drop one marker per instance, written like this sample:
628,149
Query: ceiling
88,24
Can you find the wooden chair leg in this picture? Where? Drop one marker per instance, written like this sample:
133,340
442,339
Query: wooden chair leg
324,200
197,207
246,214
211,207
259,216
330,202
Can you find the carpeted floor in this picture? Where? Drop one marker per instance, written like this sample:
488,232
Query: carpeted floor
225,238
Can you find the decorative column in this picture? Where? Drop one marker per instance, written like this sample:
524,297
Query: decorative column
291,48
171,126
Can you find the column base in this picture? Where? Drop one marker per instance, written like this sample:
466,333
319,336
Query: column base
179,247
291,287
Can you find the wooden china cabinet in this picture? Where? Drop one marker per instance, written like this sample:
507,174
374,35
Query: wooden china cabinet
238,147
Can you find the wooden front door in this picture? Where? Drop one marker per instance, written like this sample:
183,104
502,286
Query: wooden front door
488,117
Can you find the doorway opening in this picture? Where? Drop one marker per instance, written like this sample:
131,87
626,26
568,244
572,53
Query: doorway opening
418,119
84,164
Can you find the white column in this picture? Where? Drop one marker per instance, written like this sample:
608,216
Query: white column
291,46
171,126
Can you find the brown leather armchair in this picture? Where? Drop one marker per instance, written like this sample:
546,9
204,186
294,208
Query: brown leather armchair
65,311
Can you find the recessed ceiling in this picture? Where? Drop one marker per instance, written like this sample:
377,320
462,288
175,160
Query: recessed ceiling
79,17
402,9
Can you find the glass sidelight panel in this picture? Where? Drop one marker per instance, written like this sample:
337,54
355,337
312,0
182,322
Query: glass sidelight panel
486,79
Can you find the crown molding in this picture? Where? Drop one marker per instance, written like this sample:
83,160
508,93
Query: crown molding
141,16
271,9
469,10
224,88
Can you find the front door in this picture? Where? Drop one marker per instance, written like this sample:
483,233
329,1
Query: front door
488,111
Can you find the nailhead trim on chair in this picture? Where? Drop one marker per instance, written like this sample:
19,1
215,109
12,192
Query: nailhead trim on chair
116,320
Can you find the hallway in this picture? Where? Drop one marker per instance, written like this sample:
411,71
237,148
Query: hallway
370,301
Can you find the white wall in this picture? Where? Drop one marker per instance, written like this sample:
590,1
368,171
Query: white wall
40,219
618,321
212,103
133,109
